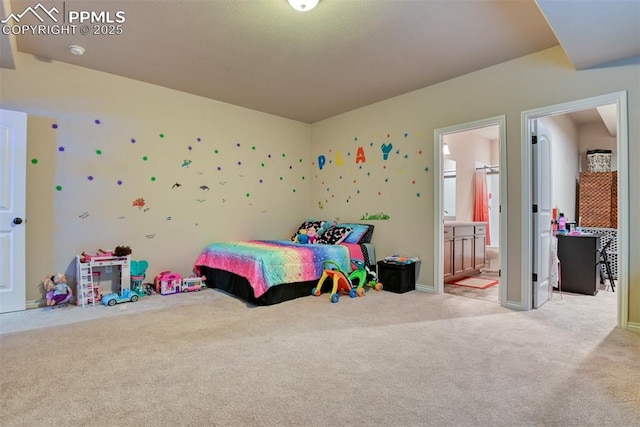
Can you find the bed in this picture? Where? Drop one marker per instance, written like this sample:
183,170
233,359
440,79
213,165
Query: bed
266,272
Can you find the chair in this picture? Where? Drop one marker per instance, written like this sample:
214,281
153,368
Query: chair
604,262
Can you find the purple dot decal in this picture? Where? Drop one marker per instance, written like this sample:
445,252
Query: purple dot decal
61,149
133,140
260,181
119,182
239,163
96,121
198,139
238,144
219,168
90,177
290,167
190,148
269,156
54,126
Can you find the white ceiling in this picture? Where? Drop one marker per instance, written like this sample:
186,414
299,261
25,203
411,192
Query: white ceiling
263,55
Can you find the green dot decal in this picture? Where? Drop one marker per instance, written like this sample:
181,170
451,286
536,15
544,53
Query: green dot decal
59,187
283,155
303,178
216,151
300,160
262,164
253,147
153,178
248,194
161,135
98,152
34,161
281,178
145,158
294,190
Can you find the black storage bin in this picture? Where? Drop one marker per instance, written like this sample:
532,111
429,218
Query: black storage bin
398,278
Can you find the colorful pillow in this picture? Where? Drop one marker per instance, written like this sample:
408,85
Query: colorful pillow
360,233
334,235
319,226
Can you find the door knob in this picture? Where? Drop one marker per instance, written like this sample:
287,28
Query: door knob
17,221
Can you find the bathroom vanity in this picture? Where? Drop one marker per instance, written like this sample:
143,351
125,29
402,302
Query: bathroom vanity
464,249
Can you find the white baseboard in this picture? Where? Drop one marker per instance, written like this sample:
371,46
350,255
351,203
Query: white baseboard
633,327
36,303
424,288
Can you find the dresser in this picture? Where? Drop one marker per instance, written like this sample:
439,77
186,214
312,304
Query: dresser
579,269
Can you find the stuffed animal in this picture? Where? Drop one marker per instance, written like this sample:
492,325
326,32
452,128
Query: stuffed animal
58,292
312,235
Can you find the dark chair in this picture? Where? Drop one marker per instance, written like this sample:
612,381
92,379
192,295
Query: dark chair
606,266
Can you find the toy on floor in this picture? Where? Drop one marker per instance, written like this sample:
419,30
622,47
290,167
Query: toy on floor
58,292
170,283
138,273
126,294
363,276
341,282
193,284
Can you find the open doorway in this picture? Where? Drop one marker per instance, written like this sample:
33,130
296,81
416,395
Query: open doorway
470,191
570,177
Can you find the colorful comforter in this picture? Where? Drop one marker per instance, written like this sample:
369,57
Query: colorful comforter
267,263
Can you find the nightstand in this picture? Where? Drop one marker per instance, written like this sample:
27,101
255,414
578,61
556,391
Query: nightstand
398,278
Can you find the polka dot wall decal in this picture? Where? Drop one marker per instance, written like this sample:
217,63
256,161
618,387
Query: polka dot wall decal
417,194
219,168
253,147
99,152
406,134
420,152
61,149
300,160
145,158
161,135
281,178
355,138
269,155
59,187
294,190
54,126
189,148
239,163
34,161
133,140
248,195
426,169
119,182
90,177
413,182
237,144
96,121
303,178
216,151
199,139
153,178
284,155
262,164
261,181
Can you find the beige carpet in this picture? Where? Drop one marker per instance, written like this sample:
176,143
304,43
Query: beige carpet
475,282
413,359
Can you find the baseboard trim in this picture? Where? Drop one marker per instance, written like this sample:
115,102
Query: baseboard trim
424,288
36,304
633,327
514,305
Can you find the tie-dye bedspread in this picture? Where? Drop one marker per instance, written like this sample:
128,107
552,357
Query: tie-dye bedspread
266,263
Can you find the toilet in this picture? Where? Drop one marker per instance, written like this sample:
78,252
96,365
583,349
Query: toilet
492,258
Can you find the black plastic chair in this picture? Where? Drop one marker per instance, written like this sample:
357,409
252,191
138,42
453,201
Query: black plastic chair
604,261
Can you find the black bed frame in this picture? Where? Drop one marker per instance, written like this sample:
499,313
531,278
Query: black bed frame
240,287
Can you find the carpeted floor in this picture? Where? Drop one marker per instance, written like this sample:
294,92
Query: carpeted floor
413,359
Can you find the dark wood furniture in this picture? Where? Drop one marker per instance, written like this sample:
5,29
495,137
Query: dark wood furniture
464,249
579,263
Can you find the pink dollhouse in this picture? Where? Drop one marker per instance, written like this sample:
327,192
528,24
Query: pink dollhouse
170,283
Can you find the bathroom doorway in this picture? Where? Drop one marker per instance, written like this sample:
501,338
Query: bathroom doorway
471,190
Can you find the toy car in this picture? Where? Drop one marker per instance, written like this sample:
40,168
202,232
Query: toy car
125,296
194,287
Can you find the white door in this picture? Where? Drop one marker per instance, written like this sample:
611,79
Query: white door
13,164
542,227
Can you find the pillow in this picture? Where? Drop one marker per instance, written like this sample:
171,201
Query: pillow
319,226
334,235
360,233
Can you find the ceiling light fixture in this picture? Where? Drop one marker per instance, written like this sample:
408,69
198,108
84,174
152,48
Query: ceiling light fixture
76,50
303,5
445,149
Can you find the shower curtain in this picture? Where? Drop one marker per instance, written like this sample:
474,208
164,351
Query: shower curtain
481,200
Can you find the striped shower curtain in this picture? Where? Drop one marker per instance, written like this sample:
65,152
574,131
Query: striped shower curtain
481,200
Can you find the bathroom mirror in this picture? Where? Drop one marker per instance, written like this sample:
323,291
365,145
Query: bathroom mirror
449,189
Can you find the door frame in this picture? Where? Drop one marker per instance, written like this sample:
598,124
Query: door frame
438,214
622,147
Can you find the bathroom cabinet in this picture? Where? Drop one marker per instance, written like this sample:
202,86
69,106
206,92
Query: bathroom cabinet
464,249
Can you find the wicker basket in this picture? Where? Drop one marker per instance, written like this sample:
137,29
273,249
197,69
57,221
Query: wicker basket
599,160
598,196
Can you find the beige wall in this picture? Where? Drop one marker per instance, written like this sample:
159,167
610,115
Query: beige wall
262,159
543,79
